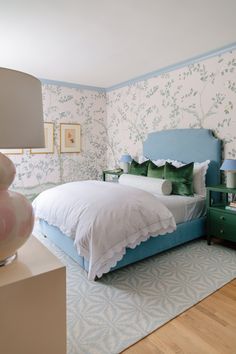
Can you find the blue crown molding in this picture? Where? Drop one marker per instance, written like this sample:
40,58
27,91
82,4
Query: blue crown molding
73,85
196,59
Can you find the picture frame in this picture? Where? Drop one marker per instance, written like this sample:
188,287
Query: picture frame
49,140
11,151
70,137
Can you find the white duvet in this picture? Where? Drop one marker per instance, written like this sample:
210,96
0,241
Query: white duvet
103,219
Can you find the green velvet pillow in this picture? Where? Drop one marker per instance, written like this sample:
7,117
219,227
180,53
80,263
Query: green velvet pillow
181,178
139,169
155,171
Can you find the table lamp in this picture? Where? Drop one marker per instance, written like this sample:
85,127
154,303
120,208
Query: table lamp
125,159
21,126
229,165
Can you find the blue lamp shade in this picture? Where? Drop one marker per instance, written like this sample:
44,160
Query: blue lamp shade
126,158
228,165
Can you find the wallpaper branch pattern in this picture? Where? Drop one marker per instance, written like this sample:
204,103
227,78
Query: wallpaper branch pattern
112,123
199,95
67,105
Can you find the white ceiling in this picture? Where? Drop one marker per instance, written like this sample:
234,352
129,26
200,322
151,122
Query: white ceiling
105,42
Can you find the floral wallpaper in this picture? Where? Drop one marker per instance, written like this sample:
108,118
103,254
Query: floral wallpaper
198,95
67,105
118,121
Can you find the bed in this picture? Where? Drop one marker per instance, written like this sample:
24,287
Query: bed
186,145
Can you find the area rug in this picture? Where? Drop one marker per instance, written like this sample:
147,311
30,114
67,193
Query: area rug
109,315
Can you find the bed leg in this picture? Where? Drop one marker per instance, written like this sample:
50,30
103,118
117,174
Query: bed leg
209,240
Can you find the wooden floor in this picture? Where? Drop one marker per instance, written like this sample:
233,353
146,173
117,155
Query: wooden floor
207,328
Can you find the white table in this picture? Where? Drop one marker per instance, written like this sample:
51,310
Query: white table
33,302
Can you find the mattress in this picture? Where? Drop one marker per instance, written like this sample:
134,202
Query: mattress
184,208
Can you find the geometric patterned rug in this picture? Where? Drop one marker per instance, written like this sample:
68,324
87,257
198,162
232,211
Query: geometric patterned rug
109,315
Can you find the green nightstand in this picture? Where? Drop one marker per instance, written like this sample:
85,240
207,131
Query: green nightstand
221,222
117,172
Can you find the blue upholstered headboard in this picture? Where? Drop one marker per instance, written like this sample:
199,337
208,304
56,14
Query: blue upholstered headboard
186,145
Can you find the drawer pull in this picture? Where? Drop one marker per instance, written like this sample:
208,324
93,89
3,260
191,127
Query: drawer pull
222,218
221,231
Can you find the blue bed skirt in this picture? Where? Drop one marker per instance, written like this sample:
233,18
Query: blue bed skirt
185,232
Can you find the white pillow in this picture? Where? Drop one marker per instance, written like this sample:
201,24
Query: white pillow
142,159
159,162
162,162
148,184
199,177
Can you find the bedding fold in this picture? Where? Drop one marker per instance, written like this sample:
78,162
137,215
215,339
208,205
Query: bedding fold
103,219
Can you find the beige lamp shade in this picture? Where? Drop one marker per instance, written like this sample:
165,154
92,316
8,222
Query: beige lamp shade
21,110
21,126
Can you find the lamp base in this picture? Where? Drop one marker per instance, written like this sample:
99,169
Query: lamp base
125,167
231,179
16,215
8,260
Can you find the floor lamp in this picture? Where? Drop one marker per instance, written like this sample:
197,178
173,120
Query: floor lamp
21,126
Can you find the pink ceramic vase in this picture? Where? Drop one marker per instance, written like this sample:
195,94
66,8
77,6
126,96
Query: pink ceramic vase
16,214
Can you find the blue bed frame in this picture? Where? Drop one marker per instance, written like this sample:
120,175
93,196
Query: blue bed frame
185,145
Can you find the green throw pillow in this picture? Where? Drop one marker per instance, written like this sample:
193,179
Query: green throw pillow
181,178
139,169
155,171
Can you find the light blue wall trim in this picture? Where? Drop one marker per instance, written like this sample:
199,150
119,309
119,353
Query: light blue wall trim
196,59
73,85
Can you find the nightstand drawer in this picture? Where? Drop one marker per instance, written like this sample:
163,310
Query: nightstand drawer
222,224
222,216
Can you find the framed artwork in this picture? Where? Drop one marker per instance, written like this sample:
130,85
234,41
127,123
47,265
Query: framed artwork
70,137
49,140
12,151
